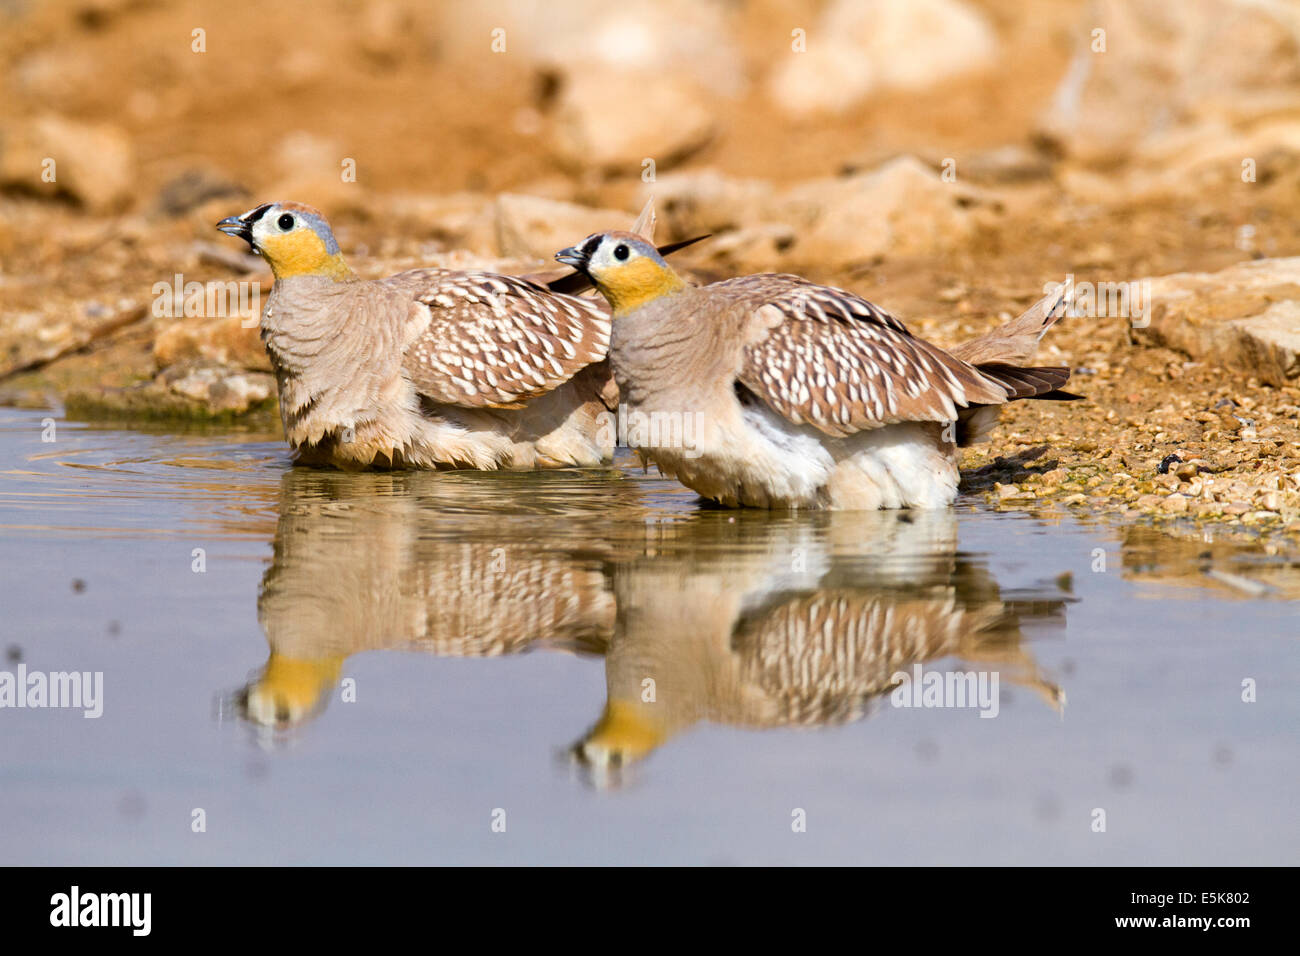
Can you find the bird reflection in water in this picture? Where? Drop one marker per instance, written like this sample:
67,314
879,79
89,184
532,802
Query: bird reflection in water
799,622
743,619
365,562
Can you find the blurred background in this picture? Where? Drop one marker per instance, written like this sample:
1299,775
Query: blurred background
946,158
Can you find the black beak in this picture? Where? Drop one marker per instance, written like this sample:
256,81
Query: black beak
573,256
234,226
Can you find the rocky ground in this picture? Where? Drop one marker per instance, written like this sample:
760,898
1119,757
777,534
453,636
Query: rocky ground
949,160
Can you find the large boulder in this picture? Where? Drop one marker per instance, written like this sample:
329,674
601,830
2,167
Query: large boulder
903,206
51,155
855,49
1160,78
533,228
1246,317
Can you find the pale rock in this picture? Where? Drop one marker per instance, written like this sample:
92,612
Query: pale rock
1173,76
219,390
831,78
856,48
229,340
532,228
1245,317
750,250
672,119
464,220
683,38
93,162
1054,477
902,207
308,165
618,83
29,339
708,201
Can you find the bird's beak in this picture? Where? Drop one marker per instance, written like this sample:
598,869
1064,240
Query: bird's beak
572,256
234,226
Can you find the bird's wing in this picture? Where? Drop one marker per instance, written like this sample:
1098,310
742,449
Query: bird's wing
827,358
498,341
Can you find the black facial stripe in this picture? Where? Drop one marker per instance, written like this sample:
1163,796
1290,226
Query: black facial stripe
253,215
589,247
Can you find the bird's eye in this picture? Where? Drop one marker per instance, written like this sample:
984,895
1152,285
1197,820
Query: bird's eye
620,252
285,222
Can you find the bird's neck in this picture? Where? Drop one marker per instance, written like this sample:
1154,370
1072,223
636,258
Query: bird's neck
304,253
640,285
333,267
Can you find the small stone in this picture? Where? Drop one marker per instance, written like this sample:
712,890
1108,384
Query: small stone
1054,477
1175,503
1271,501
1256,517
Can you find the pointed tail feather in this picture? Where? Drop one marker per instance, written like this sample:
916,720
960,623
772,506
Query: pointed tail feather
1041,383
1003,356
1034,382
1016,342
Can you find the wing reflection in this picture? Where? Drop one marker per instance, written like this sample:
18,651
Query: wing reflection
745,619
363,565
801,622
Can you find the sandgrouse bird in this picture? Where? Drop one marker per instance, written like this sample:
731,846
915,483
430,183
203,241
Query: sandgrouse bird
770,391
430,368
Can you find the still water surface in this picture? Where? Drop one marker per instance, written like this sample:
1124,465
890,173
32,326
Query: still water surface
376,668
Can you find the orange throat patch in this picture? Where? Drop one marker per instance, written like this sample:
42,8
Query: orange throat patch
633,285
302,253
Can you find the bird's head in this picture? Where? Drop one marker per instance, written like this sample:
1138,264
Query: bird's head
294,239
625,735
288,691
626,269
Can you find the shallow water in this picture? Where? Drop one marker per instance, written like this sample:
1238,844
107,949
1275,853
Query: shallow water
376,668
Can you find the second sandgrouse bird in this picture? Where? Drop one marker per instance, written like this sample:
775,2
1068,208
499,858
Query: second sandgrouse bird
773,392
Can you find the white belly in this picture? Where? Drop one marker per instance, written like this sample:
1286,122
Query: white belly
759,459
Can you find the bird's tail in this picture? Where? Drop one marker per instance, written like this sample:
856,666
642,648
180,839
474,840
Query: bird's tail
1016,342
1002,356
